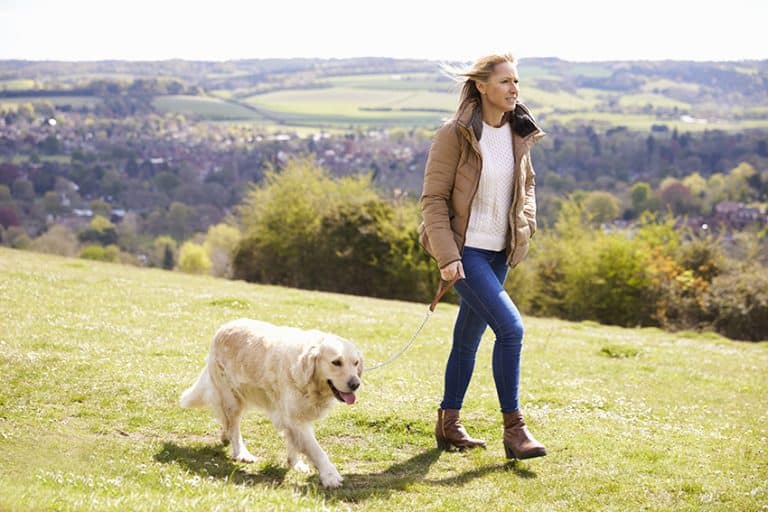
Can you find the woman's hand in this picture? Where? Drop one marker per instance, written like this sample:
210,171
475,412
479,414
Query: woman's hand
451,271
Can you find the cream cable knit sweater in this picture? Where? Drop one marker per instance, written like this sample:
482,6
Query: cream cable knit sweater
489,218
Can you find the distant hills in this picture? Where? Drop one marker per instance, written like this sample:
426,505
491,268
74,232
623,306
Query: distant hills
377,92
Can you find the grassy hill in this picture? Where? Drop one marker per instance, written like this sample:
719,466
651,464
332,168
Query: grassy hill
93,357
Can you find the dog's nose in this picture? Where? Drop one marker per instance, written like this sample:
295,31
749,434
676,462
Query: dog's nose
353,383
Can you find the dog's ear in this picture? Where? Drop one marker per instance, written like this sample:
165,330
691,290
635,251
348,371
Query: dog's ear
304,368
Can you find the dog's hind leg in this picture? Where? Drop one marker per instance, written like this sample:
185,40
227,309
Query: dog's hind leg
303,437
229,410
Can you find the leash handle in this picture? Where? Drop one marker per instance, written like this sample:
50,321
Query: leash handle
442,290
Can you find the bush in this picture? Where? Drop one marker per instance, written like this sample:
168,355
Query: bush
220,244
306,230
110,253
193,259
163,253
610,284
100,231
59,239
738,304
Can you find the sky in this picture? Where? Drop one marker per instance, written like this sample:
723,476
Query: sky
446,30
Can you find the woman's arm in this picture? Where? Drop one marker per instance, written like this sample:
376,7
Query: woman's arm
529,207
439,176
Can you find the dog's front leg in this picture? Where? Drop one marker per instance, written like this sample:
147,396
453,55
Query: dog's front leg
303,437
294,455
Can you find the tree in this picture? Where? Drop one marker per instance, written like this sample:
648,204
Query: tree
602,207
59,239
282,219
23,189
9,216
163,253
737,183
675,195
168,258
193,259
220,244
101,208
52,203
179,219
100,230
640,195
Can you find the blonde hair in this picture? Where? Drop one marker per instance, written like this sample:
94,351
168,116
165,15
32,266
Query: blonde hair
480,71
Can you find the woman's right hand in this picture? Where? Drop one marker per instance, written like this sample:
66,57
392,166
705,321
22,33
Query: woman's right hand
451,271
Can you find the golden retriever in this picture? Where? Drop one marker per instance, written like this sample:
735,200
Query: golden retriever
292,374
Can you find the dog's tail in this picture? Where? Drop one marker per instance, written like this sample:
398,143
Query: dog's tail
196,396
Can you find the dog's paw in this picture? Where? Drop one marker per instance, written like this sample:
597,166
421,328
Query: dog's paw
245,457
300,466
331,479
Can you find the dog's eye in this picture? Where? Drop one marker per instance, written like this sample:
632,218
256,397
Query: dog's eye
337,362
357,362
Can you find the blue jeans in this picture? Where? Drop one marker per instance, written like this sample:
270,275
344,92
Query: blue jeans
484,302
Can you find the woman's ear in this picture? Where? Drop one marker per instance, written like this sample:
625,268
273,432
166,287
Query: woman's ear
481,86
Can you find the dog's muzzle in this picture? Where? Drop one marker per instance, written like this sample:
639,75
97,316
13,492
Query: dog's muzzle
341,396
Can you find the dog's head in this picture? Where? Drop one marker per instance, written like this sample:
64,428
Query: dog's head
335,363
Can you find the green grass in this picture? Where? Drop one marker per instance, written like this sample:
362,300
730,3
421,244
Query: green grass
353,105
17,85
206,107
61,159
93,357
71,101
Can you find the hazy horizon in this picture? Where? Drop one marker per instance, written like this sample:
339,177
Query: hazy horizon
592,30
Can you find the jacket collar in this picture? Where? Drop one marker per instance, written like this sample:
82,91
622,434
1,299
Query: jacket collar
521,121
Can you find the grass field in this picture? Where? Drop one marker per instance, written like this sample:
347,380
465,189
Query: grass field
423,99
57,101
209,108
94,356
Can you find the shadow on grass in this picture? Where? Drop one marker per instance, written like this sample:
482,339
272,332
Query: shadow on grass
213,461
402,475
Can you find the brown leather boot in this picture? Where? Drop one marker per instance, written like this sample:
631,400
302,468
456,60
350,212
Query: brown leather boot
518,442
449,432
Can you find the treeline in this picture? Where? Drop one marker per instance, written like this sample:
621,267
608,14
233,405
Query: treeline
303,229
149,164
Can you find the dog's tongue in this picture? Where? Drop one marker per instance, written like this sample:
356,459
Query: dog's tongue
349,398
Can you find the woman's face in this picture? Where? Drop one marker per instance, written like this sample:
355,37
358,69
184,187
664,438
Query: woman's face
501,89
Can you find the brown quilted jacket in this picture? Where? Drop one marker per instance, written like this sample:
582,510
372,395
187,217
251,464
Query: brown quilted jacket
452,175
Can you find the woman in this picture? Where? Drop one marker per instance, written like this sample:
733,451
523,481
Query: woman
479,210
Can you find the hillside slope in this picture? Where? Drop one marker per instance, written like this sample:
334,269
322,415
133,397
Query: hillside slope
93,357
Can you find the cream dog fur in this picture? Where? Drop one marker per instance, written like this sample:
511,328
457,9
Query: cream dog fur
292,374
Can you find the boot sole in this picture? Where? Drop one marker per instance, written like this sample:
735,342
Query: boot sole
448,446
532,455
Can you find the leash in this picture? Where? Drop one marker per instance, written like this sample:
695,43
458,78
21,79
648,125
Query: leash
441,290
